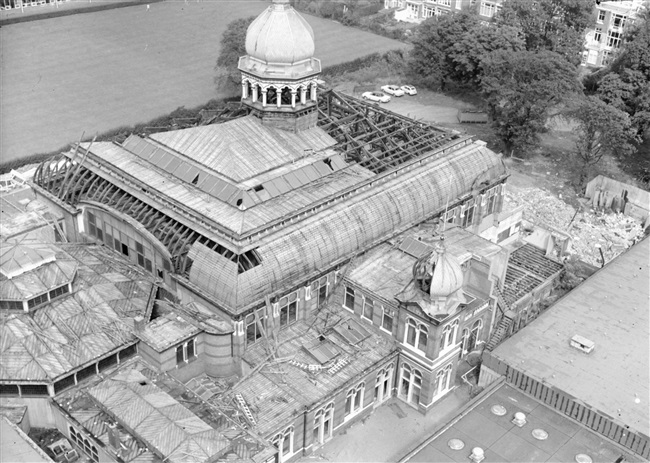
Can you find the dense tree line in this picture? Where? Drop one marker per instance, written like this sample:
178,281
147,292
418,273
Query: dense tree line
524,64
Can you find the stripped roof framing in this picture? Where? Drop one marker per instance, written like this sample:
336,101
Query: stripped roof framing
375,138
173,234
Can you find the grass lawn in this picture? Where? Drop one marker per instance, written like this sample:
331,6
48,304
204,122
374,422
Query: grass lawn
94,72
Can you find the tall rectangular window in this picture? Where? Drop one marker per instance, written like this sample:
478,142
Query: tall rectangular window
613,39
368,308
253,331
601,16
490,201
468,214
186,352
288,309
349,298
598,34
387,320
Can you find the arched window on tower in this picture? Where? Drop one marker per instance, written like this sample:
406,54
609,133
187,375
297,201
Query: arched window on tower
249,91
271,96
286,96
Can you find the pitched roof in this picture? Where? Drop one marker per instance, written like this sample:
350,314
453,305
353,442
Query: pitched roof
157,418
243,148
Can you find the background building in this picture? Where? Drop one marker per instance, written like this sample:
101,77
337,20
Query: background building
606,34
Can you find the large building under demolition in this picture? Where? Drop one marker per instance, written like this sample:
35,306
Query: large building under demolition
322,250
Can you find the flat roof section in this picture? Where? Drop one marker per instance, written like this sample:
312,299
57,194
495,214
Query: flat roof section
503,441
611,309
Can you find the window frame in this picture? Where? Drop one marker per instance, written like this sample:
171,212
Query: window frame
443,378
387,313
354,400
289,309
322,416
418,328
261,313
349,291
449,334
182,351
279,443
412,377
365,313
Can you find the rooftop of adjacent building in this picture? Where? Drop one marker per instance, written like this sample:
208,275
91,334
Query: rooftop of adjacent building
159,419
611,309
76,327
308,362
16,446
387,269
20,210
487,423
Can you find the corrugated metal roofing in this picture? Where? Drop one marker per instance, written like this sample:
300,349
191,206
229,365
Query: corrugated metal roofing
243,148
307,246
157,418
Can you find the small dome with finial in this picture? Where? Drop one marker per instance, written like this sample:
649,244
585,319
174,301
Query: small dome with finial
280,35
447,275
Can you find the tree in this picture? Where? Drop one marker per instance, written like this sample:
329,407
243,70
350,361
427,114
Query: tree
627,84
466,55
521,88
601,129
432,41
233,45
555,25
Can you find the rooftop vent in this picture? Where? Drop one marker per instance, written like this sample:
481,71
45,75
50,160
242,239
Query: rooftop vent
582,343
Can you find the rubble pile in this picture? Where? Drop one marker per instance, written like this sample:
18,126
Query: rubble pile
587,228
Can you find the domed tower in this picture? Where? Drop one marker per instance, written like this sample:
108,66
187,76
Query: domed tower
279,72
440,275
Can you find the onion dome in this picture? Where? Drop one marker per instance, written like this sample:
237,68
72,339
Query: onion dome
447,275
280,35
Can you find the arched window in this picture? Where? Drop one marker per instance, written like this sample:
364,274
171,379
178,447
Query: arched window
448,338
284,443
286,96
383,384
354,400
323,424
410,384
443,380
271,96
416,335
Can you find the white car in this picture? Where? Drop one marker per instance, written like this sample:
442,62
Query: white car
376,96
392,90
409,89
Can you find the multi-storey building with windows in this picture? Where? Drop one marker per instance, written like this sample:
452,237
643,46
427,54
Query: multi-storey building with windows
606,33
418,10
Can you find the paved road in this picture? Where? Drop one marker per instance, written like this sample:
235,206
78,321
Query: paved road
95,72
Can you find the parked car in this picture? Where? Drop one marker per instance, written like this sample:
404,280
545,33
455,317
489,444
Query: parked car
409,89
376,96
393,90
